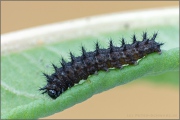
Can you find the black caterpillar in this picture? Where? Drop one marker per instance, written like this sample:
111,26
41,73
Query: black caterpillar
101,59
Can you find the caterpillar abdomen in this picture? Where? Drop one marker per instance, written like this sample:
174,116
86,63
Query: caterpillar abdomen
101,59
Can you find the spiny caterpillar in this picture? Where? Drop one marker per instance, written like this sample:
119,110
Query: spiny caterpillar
91,62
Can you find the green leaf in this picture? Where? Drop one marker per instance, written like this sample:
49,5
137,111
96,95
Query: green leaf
22,71
169,78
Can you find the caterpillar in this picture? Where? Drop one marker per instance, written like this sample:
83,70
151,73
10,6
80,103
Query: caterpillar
91,62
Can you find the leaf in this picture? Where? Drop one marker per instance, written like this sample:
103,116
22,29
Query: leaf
22,72
169,78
